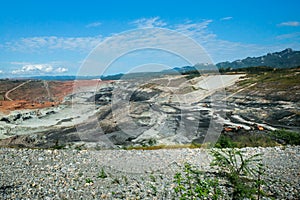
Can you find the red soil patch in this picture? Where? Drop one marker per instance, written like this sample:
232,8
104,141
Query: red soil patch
7,106
40,94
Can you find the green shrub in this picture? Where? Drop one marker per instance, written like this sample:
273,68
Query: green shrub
286,137
241,140
152,142
254,140
225,142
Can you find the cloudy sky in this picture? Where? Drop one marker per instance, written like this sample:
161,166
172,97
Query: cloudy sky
55,37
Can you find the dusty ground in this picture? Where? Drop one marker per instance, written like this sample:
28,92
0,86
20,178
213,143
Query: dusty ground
7,106
36,94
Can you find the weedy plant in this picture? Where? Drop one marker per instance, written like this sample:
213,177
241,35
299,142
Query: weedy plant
116,181
102,174
192,184
238,174
88,180
242,172
125,179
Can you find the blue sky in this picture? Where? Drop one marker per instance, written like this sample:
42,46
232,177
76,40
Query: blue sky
55,37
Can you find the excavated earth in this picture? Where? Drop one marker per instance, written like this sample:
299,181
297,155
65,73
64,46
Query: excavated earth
167,110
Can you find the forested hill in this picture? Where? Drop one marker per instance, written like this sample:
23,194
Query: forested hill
287,58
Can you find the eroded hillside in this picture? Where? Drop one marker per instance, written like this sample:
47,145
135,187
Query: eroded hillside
169,110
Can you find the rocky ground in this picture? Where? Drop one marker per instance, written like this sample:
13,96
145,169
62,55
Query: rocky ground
164,110
73,174
271,98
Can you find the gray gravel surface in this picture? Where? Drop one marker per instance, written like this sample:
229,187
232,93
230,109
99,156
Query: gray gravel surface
134,174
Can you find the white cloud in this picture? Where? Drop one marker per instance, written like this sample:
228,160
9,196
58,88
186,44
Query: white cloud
288,36
94,24
61,70
54,42
195,30
1,72
167,43
39,69
19,63
290,23
226,18
33,68
222,50
149,22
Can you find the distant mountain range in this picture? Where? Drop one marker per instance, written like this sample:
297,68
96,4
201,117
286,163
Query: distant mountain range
287,58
